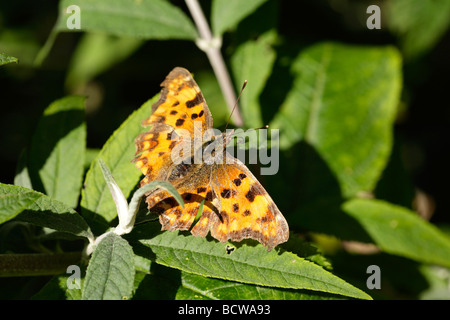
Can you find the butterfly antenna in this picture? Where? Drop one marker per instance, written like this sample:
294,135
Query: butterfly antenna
235,104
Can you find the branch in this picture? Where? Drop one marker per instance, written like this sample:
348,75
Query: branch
211,46
36,264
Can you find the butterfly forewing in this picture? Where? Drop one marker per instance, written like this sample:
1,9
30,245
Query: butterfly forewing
181,103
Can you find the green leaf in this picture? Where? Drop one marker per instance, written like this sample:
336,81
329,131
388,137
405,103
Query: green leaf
400,231
90,156
343,103
150,19
97,205
306,250
19,42
252,61
56,289
57,150
438,279
247,263
14,200
110,274
419,24
166,283
97,53
4,59
22,176
226,14
36,208
195,287
157,283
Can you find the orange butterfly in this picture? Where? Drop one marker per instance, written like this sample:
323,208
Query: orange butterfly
236,205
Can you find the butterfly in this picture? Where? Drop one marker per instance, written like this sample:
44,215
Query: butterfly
235,205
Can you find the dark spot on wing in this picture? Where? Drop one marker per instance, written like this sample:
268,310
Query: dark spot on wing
179,122
237,182
223,216
201,189
196,101
209,196
226,193
252,193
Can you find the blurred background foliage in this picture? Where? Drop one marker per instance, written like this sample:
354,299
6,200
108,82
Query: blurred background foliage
119,72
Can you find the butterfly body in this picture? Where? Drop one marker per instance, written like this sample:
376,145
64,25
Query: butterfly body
235,205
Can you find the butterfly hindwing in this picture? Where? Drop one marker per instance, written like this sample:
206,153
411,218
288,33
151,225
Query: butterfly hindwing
195,189
246,209
235,205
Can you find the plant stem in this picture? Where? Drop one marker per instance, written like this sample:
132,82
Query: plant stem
45,50
211,47
36,264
